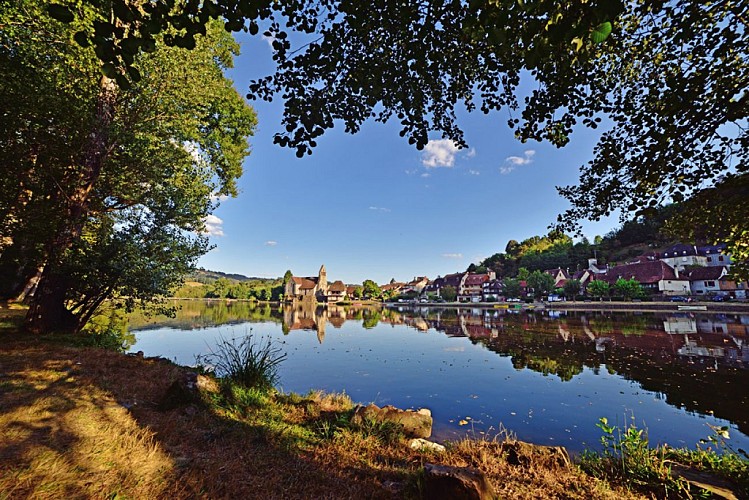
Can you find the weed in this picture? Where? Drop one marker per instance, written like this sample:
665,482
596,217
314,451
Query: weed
384,431
628,459
248,362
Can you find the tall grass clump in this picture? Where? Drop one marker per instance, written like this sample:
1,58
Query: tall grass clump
247,361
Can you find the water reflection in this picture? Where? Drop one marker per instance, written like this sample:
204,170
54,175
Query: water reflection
695,363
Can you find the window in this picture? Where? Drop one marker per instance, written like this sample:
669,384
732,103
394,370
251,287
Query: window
720,258
709,259
709,283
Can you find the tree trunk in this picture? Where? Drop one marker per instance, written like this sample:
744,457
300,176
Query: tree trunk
48,310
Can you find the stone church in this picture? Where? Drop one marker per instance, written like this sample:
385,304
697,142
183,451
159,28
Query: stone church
314,289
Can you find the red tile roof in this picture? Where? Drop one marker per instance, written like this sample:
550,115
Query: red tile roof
706,273
305,283
337,286
476,279
643,272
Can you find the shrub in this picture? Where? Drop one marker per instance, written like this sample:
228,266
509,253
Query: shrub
248,362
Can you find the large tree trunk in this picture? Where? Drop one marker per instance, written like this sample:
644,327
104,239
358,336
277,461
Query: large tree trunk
48,309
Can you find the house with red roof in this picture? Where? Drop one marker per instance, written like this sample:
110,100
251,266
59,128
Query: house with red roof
654,276
560,276
472,286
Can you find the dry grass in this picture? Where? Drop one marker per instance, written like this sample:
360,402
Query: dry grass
84,423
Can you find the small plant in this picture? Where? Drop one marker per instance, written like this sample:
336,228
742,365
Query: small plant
627,458
248,362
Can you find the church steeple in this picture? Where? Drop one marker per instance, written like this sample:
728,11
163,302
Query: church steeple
322,280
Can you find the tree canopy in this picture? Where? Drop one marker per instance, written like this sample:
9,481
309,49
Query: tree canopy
106,189
665,81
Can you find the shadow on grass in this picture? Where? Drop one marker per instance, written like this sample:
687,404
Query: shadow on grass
85,423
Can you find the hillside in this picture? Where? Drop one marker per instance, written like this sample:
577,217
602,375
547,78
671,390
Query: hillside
208,277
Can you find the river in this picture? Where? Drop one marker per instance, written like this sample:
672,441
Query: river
547,376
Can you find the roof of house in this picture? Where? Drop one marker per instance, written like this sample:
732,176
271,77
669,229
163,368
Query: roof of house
476,279
337,286
643,272
556,271
392,286
579,275
679,250
712,249
706,273
452,280
305,283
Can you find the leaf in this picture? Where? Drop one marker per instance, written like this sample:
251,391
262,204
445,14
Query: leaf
109,70
601,32
60,12
578,43
81,38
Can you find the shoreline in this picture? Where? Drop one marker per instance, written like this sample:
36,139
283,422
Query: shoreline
712,307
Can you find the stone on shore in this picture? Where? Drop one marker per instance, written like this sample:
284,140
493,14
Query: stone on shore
416,424
443,482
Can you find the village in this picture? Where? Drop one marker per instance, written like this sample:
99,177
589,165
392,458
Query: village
679,273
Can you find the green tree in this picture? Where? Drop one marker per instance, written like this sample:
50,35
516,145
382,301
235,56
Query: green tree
511,288
571,289
287,277
95,232
667,79
542,283
523,274
264,294
358,292
598,289
370,289
629,289
449,293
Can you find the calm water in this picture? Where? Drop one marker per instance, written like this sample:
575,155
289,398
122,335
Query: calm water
547,376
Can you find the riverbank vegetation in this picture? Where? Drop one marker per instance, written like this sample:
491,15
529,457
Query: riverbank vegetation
88,422
107,188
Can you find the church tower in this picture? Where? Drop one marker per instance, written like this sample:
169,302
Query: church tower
322,280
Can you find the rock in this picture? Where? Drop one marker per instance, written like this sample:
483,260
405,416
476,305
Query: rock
416,424
443,482
524,454
423,444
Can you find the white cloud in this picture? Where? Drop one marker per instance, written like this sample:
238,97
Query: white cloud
452,255
471,153
270,243
218,198
426,174
214,226
439,153
474,172
269,40
513,162
380,209
506,170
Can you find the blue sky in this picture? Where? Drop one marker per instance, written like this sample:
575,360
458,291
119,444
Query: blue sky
369,206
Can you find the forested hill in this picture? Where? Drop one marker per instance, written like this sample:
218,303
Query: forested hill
556,250
206,276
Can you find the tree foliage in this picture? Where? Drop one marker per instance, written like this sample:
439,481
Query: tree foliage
628,289
370,289
541,283
599,289
108,187
666,81
449,293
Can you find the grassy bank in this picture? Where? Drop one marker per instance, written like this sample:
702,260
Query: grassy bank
87,422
